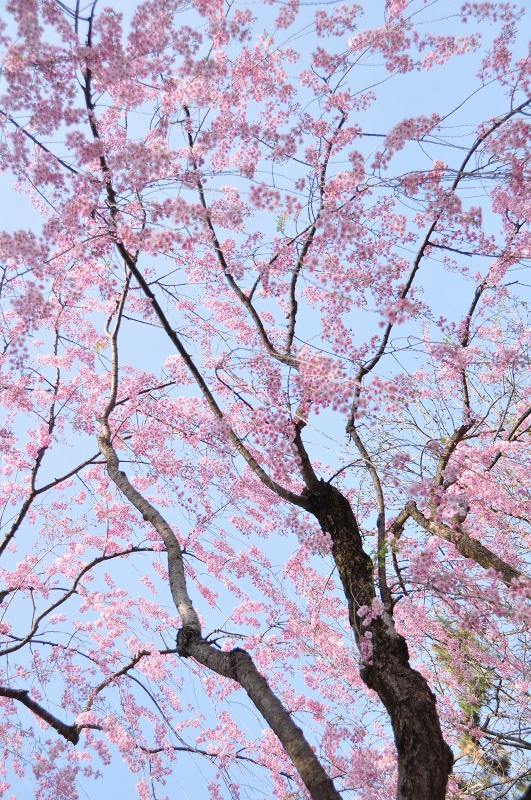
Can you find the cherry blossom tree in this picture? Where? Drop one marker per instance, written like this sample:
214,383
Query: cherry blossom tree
266,399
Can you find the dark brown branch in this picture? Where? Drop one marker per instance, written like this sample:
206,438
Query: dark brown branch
467,546
424,758
512,435
39,144
68,593
197,750
455,249
305,465
52,484
111,678
449,449
396,528
465,339
70,732
398,573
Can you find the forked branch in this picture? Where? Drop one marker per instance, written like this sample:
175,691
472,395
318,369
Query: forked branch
236,664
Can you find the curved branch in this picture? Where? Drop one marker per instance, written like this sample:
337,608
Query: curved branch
208,755
68,593
147,510
275,487
70,732
134,661
238,665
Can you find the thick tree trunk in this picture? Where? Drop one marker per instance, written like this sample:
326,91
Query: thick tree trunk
424,758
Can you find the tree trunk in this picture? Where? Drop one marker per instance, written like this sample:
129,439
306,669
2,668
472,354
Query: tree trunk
424,758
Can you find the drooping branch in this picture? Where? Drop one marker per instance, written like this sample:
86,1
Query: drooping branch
70,732
210,756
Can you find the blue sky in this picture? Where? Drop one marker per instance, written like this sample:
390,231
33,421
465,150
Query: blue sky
441,90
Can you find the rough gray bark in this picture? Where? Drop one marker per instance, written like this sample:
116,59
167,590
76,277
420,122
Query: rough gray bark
424,759
238,665
176,574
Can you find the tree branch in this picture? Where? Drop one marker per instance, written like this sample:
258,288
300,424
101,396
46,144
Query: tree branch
467,546
368,367
70,732
36,142
238,665
285,358
380,522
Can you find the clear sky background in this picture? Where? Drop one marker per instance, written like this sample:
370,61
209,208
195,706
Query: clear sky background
443,91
